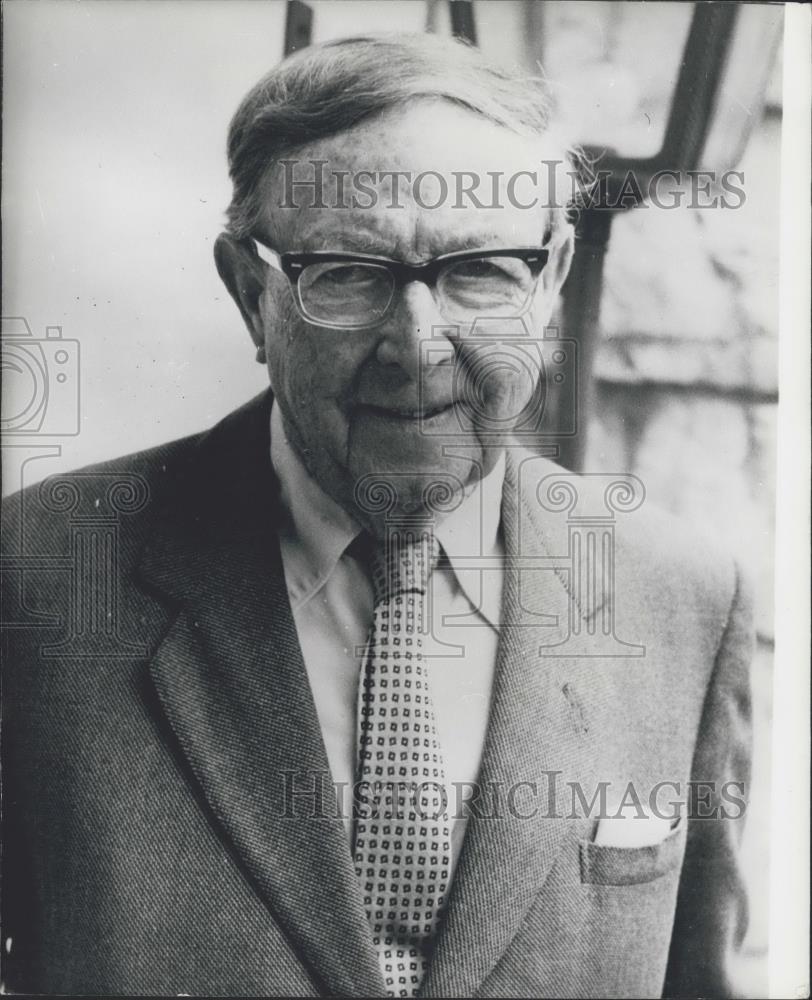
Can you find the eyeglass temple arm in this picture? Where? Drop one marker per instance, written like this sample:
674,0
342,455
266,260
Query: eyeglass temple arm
267,254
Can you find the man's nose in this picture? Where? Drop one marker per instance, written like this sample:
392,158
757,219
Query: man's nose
414,319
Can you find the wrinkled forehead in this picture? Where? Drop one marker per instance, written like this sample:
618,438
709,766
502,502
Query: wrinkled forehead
430,175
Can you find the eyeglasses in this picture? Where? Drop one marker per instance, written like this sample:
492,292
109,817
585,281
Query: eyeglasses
349,291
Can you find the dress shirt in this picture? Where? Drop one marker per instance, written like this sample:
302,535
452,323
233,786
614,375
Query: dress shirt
331,598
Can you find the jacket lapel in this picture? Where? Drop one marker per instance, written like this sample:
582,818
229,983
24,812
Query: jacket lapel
231,680
538,737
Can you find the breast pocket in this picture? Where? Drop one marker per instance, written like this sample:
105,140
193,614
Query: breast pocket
605,865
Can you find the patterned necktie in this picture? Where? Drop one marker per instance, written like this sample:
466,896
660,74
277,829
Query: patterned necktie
402,835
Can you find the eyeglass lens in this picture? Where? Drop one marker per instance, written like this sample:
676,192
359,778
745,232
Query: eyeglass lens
355,293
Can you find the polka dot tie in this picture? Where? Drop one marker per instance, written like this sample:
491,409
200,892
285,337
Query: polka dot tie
402,836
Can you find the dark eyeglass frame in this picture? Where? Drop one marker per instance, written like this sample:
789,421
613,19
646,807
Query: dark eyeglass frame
293,264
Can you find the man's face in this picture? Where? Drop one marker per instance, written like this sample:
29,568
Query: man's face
370,402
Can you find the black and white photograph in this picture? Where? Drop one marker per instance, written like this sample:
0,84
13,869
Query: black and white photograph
405,523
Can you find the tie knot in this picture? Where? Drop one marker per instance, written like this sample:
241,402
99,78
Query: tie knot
404,564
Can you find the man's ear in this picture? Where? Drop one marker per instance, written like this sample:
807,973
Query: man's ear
243,274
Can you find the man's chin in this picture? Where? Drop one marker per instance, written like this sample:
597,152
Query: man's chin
399,465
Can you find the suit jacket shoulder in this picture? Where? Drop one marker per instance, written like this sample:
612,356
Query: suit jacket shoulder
659,558
178,478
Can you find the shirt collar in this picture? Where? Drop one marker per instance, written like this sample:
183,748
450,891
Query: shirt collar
318,530
472,530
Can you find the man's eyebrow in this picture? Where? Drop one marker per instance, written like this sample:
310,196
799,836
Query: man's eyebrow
451,243
473,241
364,241
352,241
483,241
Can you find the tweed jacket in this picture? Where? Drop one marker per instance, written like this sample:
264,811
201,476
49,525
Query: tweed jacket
157,715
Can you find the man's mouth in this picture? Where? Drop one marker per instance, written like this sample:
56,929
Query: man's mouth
406,413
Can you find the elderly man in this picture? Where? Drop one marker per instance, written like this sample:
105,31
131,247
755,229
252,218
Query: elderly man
357,694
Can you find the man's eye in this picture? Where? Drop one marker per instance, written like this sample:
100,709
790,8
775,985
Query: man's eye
477,270
489,269
347,276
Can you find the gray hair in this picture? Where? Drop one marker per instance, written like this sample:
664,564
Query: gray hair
326,89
